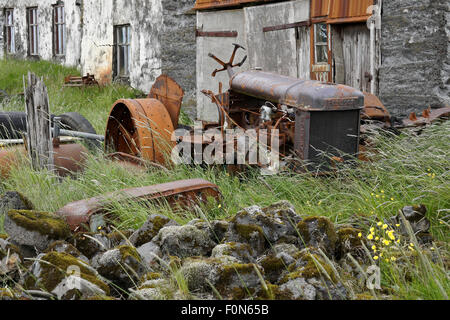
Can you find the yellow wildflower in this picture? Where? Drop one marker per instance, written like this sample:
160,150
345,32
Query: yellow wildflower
392,199
360,235
379,223
375,258
384,227
386,242
377,238
382,191
393,258
370,236
372,230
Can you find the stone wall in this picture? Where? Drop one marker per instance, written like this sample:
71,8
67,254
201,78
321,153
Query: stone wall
415,55
178,49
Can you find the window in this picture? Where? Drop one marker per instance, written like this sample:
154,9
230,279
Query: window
59,30
9,31
33,32
122,51
321,43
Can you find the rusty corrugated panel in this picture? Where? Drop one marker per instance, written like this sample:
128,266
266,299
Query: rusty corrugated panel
340,9
319,8
213,4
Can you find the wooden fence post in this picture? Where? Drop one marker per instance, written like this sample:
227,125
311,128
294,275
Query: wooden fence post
39,135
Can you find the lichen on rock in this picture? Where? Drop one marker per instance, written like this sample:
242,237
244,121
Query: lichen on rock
65,276
35,228
318,232
150,229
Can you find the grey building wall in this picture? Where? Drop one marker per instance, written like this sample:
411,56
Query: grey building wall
415,55
178,47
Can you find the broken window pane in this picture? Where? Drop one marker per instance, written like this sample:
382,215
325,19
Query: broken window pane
122,50
9,31
59,31
33,31
322,54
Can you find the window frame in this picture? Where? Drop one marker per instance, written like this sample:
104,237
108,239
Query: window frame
320,44
59,30
10,44
117,47
33,30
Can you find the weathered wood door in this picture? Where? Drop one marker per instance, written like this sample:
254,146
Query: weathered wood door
351,55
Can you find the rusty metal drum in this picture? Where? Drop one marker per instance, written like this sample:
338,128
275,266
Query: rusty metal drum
141,128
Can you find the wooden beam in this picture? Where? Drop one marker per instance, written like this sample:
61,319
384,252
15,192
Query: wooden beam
216,34
287,26
39,135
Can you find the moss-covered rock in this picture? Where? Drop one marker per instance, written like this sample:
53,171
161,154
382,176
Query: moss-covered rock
157,289
318,232
65,247
34,228
262,228
150,229
10,260
231,279
241,251
90,244
350,240
13,200
65,276
184,241
118,238
121,265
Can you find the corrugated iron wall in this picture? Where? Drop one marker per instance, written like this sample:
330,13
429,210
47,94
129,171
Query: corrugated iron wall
211,4
340,9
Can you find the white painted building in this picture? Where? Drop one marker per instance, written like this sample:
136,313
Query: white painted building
133,41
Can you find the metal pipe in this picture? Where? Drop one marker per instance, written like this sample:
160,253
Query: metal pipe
83,135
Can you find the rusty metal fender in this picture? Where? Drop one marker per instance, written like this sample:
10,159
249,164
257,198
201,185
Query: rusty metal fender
182,192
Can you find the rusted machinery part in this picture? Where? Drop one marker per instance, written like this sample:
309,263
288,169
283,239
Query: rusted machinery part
182,192
142,128
68,158
306,95
167,90
428,116
374,109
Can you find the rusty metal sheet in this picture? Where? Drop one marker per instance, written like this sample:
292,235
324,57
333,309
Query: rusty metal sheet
182,192
428,116
68,158
374,109
341,11
167,90
319,8
307,95
141,128
215,4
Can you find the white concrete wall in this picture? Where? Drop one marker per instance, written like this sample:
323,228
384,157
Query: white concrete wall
230,20
145,19
275,51
45,27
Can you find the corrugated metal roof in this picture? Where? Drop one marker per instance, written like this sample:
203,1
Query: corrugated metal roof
213,4
351,10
